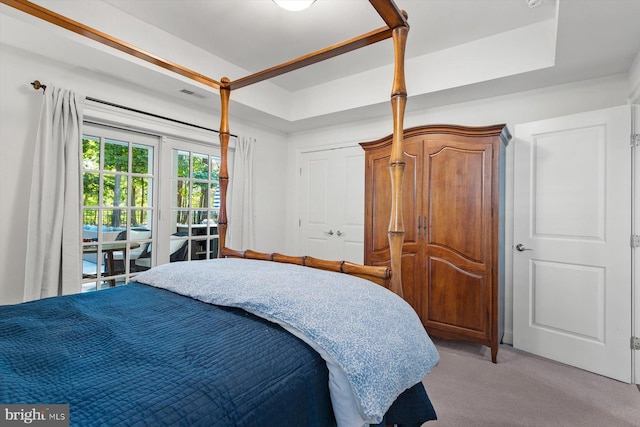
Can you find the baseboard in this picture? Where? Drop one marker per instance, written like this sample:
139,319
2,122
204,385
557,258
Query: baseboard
507,338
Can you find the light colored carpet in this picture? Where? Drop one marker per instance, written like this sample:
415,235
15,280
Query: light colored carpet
523,390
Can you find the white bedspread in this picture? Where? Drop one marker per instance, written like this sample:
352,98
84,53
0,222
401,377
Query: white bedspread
370,337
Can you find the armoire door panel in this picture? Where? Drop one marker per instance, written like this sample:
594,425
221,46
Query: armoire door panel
381,197
384,255
381,203
411,278
457,259
459,192
455,297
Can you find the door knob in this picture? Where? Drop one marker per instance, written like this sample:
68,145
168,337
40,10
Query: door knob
328,233
339,233
521,248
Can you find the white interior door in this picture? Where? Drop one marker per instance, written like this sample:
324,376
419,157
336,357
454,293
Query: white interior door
331,208
572,269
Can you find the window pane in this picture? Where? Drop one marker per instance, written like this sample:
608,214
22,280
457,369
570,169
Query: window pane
142,158
178,249
114,190
116,156
90,189
141,191
200,195
215,169
181,164
90,225
197,219
91,152
113,222
180,193
199,249
141,219
213,219
213,232
200,166
213,248
181,220
214,198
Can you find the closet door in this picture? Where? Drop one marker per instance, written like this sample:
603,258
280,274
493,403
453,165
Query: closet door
378,209
331,212
458,245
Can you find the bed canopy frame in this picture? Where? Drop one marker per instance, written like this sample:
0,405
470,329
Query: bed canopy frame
396,28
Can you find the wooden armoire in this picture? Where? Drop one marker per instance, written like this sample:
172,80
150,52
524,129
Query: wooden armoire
453,209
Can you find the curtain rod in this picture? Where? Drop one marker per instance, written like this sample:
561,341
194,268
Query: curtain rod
37,85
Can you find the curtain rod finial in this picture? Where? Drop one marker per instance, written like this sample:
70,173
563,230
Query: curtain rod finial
37,85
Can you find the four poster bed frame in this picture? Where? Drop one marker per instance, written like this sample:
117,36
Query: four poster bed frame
152,328
396,28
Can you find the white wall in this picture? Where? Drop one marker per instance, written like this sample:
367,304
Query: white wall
19,113
511,109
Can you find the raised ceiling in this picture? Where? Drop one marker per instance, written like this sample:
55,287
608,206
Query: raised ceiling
457,49
256,34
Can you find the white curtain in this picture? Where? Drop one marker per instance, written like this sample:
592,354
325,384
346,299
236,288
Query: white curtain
53,261
241,229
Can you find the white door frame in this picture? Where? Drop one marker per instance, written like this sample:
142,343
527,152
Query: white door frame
635,230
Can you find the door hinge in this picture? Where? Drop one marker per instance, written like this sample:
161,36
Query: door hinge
635,139
635,241
635,343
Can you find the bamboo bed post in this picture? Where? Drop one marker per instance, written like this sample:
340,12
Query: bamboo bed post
225,92
396,162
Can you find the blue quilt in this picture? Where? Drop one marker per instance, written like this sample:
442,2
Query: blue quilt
138,355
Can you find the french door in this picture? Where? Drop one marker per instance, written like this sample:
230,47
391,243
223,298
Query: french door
190,203
134,217
119,194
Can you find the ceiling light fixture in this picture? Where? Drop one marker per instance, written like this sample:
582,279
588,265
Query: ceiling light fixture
534,3
294,5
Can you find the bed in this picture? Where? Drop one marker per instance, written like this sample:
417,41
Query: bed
246,339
